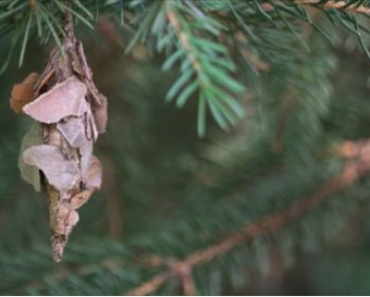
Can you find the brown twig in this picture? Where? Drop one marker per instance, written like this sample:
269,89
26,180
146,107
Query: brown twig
182,35
340,5
68,21
357,166
156,282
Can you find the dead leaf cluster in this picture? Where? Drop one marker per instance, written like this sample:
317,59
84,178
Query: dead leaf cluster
57,152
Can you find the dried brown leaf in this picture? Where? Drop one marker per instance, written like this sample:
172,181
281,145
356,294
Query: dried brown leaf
73,130
101,114
86,155
63,100
58,242
64,220
23,93
60,173
94,174
80,199
29,173
93,182
72,113
98,101
91,129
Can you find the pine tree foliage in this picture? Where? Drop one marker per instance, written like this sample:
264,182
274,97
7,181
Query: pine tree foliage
188,32
200,214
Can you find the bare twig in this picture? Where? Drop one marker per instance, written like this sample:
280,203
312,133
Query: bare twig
156,282
357,166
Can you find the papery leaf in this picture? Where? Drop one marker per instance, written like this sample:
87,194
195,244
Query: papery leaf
29,173
60,173
65,99
73,130
91,128
101,114
70,115
94,174
80,199
64,220
93,181
86,155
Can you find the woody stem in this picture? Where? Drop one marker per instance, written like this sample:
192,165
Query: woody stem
68,21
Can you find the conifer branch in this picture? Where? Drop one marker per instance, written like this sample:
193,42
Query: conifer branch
200,70
356,167
339,5
288,100
183,37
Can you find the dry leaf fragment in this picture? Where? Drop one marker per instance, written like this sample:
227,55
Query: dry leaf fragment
23,93
73,130
29,173
58,242
62,224
72,113
64,220
65,99
98,101
101,114
91,128
94,174
86,155
93,182
48,73
60,173
70,221
80,199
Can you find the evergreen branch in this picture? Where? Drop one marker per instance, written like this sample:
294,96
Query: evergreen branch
184,38
342,11
356,167
212,77
289,95
338,5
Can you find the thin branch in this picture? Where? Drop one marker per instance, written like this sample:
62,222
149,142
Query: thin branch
357,166
150,286
340,5
68,21
182,36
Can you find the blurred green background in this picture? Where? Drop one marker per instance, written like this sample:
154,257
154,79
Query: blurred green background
159,176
